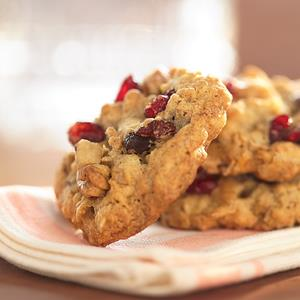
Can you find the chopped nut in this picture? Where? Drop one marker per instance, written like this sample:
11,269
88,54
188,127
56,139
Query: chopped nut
89,153
92,180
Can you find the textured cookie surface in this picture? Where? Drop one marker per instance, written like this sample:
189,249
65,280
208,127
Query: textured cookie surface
238,202
244,146
113,189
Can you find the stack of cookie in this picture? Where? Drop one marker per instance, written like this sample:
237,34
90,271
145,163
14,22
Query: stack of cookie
160,151
251,178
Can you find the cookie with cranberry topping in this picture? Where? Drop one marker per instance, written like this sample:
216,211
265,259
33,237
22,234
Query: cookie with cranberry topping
114,188
240,202
262,134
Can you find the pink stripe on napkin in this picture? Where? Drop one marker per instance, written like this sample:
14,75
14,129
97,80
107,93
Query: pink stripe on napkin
26,210
207,238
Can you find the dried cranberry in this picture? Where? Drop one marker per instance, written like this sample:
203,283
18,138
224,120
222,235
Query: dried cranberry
157,129
232,89
280,128
127,84
134,143
204,183
141,140
87,131
294,136
281,121
156,106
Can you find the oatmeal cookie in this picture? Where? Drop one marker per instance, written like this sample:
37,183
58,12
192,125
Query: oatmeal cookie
259,137
114,187
241,202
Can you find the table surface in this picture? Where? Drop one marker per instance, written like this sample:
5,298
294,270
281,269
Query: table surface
17,284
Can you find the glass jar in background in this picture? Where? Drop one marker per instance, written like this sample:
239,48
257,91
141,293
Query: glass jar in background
61,60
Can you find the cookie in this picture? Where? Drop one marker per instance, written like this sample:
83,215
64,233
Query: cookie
115,186
261,136
240,202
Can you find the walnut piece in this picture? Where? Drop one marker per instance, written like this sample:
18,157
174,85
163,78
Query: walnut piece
89,153
92,180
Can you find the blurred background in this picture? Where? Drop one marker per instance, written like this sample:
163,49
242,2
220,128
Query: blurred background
60,60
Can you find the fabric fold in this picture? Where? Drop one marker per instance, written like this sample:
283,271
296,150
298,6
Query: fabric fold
158,261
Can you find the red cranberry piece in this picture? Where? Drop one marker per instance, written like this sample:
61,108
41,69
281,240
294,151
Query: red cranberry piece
280,128
202,186
141,140
157,129
204,183
281,121
294,136
134,143
232,89
156,106
127,84
87,131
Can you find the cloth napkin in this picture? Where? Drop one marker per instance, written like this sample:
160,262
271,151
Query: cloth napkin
158,261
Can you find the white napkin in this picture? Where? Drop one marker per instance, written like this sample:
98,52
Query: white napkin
158,261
